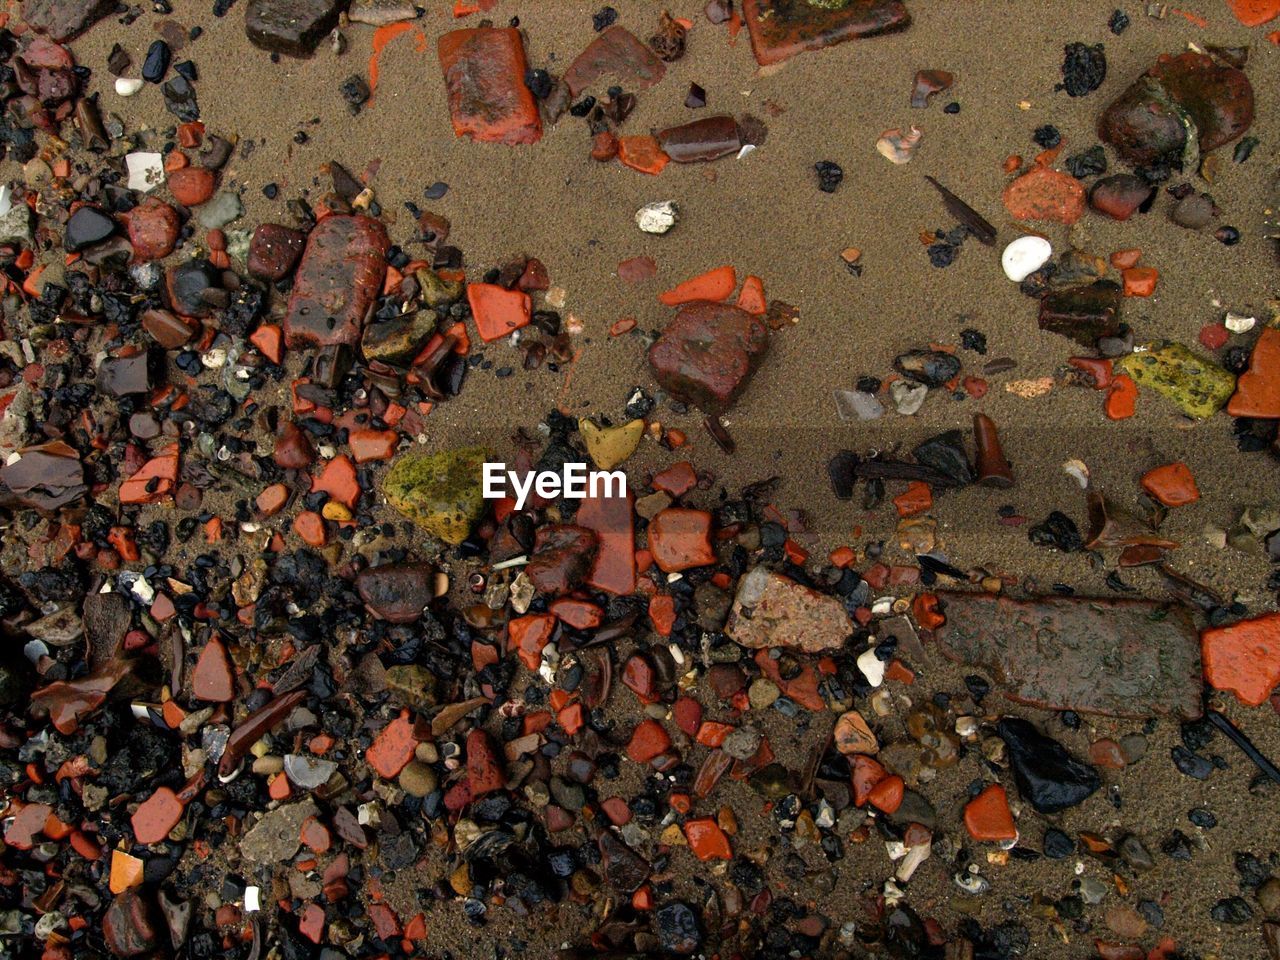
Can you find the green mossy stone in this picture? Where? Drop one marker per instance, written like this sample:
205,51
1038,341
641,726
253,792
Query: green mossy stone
1199,387
413,685
437,291
441,492
399,340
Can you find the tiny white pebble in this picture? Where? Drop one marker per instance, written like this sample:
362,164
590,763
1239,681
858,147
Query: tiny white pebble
1024,257
872,667
1239,324
128,86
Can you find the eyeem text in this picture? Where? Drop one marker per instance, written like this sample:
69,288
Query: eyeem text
574,481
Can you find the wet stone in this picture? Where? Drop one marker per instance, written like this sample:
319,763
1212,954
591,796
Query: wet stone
1182,106
1120,196
291,27
770,610
1048,777
708,353
706,139
782,28
153,229
1084,67
1125,658
128,926
125,375
86,227
933,368
399,340
484,70
1085,314
274,251
617,54
338,280
678,928
64,19
397,592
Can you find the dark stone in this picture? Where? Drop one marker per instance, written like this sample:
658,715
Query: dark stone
678,928
562,558
180,99
87,226
274,251
128,927
946,453
782,28
156,64
1048,777
186,283
338,281
1083,68
292,27
64,20
708,353
1057,845
1125,658
121,376
1233,910
1085,314
829,175
397,592
624,869
1090,163
930,367
1149,124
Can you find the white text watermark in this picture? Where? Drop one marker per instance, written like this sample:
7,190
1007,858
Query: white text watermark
574,481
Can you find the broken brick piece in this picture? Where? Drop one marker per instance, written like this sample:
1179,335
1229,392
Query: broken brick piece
987,816
1258,388
612,520
498,311
707,840
485,772
1172,484
708,353
782,28
338,281
393,747
212,679
156,816
484,69
1244,657
680,539
616,53
527,636
648,740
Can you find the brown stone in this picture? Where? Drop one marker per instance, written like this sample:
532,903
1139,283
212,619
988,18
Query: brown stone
1124,658
274,251
338,281
128,926
397,592
616,53
64,19
770,610
782,28
563,555
153,229
708,353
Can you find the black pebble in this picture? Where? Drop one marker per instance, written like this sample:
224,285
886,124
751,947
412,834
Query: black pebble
157,63
829,175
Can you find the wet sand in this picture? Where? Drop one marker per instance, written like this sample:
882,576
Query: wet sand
765,215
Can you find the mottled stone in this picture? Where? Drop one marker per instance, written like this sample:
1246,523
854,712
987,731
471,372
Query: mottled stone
1198,386
292,27
1125,658
707,354
441,492
770,610
64,19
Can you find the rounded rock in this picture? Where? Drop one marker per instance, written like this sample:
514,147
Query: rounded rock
1025,256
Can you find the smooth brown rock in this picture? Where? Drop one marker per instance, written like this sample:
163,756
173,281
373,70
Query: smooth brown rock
397,592
707,354
1124,658
338,281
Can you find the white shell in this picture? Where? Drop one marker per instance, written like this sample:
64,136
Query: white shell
146,171
128,86
657,217
1238,323
1024,257
872,667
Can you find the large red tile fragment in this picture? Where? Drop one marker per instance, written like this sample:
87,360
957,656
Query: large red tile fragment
1244,657
1258,389
1124,658
782,28
484,71
616,54
614,567
338,281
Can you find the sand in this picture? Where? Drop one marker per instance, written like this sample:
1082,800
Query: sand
765,215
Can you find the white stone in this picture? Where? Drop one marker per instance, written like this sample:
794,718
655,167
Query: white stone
128,86
657,217
1024,257
1237,323
146,171
872,667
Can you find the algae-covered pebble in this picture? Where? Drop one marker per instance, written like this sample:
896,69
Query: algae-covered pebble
441,492
1200,387
610,446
